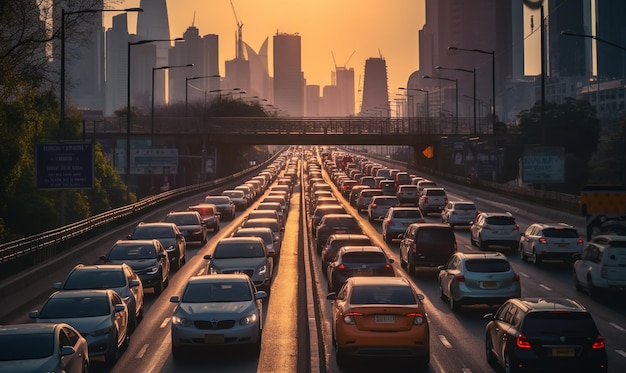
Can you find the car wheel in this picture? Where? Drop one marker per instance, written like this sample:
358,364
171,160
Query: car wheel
536,259
481,245
454,305
509,367
489,351
112,356
577,284
522,254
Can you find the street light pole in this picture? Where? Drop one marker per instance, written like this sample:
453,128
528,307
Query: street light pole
456,97
128,111
152,109
493,80
473,71
62,93
187,91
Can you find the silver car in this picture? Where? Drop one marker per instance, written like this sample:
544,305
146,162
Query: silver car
478,278
99,315
238,197
458,213
398,218
265,233
247,255
378,206
217,310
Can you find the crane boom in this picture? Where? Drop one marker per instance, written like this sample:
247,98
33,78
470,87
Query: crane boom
239,36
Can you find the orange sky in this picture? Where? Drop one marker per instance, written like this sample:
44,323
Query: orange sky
368,27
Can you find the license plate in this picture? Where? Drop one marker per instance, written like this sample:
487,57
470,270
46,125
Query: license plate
340,231
384,319
214,338
562,352
365,272
562,245
489,284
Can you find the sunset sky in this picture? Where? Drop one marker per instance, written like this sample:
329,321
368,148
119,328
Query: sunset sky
369,28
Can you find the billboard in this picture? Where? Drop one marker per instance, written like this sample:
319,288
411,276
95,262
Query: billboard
148,161
65,165
543,165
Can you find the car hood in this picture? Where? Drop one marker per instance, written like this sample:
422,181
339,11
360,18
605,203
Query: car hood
84,325
239,262
167,242
138,264
46,364
200,311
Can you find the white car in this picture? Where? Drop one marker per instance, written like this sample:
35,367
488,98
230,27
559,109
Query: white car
494,228
458,213
601,267
558,241
217,310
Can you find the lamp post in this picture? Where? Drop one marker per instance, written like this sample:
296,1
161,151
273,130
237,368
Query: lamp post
187,90
152,108
456,97
493,81
130,44
427,98
473,71
62,93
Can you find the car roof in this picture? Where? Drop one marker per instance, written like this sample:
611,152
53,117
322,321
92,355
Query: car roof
490,214
81,293
481,255
156,224
253,230
239,240
402,208
100,267
29,328
135,242
555,225
549,304
379,281
347,236
361,249
182,213
209,279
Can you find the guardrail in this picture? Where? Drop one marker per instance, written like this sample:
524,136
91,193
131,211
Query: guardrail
19,255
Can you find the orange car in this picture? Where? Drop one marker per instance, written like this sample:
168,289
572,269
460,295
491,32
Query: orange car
379,317
209,214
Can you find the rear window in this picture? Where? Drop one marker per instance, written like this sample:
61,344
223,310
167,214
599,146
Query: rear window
364,257
439,235
501,220
371,193
407,214
341,222
436,192
387,201
487,265
465,206
560,233
352,242
559,323
382,295
615,256
405,188
217,200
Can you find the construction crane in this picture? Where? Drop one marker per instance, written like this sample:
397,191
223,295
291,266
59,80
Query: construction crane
239,36
344,65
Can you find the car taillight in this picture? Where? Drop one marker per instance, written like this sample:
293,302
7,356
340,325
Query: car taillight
422,221
418,318
598,344
348,318
425,199
515,277
580,241
460,278
543,240
374,205
516,227
390,221
522,342
387,266
486,227
341,267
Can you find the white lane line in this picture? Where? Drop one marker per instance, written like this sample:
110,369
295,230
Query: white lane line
142,352
444,341
469,247
466,370
524,275
164,323
617,327
621,352
545,287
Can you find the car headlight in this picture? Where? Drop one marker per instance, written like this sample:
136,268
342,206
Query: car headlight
103,331
262,269
177,320
126,299
169,248
250,319
153,270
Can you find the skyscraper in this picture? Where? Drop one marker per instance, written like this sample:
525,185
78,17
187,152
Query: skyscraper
288,75
611,26
569,56
375,88
153,24
117,38
260,80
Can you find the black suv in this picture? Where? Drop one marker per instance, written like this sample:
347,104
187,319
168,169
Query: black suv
552,334
426,245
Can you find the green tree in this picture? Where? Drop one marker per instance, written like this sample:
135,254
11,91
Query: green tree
607,165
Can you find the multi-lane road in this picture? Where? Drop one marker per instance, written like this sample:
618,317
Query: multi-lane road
297,334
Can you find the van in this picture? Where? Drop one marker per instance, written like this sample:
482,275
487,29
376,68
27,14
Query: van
601,268
426,245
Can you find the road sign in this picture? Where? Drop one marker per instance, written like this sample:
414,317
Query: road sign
543,165
428,152
65,165
148,161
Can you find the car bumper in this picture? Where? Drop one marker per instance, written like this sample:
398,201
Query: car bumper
192,336
590,362
412,343
100,345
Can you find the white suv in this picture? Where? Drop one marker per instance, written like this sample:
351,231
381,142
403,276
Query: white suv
602,265
558,241
494,228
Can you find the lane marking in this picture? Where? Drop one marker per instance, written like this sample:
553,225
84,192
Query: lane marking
164,323
524,275
617,327
444,341
469,247
545,287
621,352
142,351
466,370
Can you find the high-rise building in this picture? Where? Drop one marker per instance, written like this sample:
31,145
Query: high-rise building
260,80
611,26
312,100
117,38
153,24
568,56
288,75
344,80
375,88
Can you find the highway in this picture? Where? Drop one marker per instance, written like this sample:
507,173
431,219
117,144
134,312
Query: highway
297,334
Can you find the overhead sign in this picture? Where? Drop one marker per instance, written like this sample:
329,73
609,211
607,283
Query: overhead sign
428,152
543,165
148,161
65,165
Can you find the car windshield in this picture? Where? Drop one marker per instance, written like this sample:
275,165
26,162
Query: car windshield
182,219
145,233
62,308
560,233
233,194
26,346
128,252
407,214
351,242
95,280
273,225
217,292
363,257
559,323
217,200
382,295
238,250
487,265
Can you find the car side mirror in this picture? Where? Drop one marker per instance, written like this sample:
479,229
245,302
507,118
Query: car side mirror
135,283
441,268
103,258
260,294
67,350
128,236
57,285
34,314
119,308
175,299
207,257
331,296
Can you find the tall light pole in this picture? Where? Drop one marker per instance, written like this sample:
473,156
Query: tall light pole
187,91
493,81
152,108
427,114
456,97
62,93
473,71
130,44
